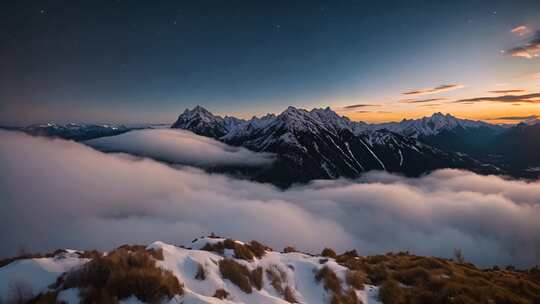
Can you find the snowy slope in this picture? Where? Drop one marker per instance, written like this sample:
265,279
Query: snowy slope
36,274
298,270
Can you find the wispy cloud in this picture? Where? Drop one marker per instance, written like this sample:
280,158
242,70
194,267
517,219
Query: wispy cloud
525,98
506,91
360,105
420,100
518,118
434,90
521,30
529,50
379,112
431,105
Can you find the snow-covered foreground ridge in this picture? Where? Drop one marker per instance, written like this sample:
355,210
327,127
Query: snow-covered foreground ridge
217,270
284,275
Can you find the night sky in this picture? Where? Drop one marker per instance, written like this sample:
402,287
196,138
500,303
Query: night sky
146,61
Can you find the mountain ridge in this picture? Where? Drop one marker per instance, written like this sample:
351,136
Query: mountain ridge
320,144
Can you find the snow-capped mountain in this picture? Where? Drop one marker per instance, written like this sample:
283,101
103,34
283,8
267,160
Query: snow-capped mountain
432,125
320,144
201,121
76,131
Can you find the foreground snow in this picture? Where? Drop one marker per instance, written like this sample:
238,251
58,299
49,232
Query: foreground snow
36,275
184,263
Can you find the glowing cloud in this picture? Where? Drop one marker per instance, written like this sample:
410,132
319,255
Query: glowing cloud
529,50
521,30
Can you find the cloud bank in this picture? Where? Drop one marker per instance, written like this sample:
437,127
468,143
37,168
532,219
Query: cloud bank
58,193
180,147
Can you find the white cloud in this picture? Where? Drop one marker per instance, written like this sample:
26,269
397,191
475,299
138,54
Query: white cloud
180,146
64,194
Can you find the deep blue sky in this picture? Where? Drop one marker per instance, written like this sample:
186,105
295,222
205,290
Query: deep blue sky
145,61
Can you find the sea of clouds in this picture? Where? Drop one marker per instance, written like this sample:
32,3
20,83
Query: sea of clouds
62,194
180,147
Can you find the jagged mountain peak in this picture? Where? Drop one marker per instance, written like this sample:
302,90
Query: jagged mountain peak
203,122
199,111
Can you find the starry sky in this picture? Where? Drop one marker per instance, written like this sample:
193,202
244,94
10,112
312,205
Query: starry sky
146,61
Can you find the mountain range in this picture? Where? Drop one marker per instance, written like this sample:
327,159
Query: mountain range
320,144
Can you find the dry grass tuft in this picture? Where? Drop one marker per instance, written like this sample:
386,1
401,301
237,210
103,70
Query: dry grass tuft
236,273
276,277
221,294
256,278
437,280
390,292
289,249
124,272
258,249
356,279
328,253
201,273
243,252
349,297
215,247
288,295
329,278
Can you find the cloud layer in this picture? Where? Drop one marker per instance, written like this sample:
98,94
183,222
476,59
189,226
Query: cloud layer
57,193
180,147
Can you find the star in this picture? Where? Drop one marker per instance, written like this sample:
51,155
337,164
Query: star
42,11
